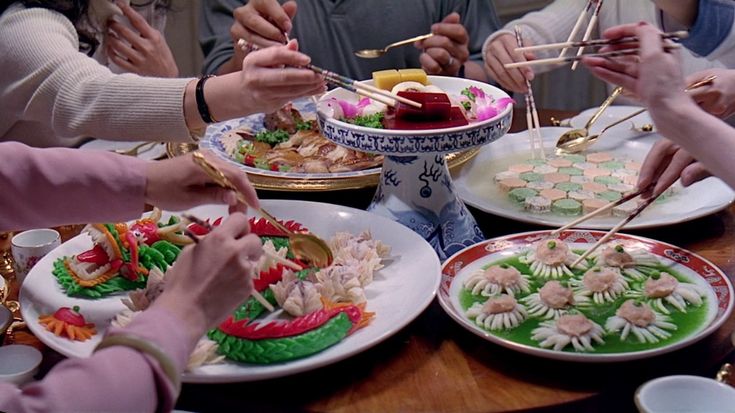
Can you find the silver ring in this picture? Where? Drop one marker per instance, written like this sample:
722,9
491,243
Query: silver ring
451,61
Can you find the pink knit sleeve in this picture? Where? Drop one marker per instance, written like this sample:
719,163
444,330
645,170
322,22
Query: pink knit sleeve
55,186
116,379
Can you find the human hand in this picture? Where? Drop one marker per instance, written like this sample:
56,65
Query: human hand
665,163
177,184
501,51
210,279
446,51
655,76
263,22
718,97
274,76
144,52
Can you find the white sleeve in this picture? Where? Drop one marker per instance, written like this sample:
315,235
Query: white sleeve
46,79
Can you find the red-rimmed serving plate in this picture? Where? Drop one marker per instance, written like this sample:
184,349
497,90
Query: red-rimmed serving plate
719,298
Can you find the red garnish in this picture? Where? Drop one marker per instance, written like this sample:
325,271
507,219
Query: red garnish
269,277
96,255
70,316
261,227
277,329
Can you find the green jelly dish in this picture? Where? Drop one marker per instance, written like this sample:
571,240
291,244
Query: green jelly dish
575,158
520,194
568,186
610,196
570,171
566,207
608,180
612,165
531,176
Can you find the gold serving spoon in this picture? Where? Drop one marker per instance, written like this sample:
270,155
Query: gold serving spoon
578,136
306,247
584,142
578,140
137,149
373,53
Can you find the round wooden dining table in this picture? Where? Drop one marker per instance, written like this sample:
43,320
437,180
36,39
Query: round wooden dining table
435,365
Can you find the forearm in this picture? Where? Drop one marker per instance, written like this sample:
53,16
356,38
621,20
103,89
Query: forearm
114,379
707,138
49,187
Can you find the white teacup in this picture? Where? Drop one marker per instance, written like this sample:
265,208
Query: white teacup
30,246
682,394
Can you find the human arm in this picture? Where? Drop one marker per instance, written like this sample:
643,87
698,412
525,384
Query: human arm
207,282
549,25
658,82
57,186
142,50
667,162
718,97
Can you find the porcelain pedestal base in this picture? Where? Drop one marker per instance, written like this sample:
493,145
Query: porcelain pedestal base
418,192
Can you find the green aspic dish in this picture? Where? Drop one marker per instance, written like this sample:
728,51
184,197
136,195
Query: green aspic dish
508,313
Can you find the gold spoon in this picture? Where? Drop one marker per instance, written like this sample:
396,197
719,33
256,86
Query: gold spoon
579,135
577,140
583,142
373,53
137,149
304,246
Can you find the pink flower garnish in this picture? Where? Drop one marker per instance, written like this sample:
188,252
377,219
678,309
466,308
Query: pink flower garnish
488,108
479,93
349,110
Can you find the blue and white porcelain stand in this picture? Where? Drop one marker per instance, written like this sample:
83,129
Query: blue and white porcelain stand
415,186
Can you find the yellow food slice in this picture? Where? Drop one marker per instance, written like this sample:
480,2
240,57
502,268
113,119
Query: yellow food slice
386,79
413,75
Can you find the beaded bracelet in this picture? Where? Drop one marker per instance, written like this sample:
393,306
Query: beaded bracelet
147,347
201,103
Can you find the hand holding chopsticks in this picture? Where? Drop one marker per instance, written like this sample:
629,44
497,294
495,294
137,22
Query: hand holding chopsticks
594,43
352,85
532,120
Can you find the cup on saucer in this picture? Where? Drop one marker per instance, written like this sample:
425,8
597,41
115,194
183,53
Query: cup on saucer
685,394
19,363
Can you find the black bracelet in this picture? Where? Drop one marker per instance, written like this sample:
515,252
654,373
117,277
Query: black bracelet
461,72
201,103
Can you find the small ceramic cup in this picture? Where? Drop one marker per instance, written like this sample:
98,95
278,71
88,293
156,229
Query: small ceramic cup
19,363
6,318
29,247
684,394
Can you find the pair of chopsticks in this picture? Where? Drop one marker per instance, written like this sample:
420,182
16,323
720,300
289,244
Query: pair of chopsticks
372,92
617,227
591,43
285,262
532,122
587,33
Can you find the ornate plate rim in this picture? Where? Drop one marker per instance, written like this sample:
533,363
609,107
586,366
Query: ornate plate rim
448,307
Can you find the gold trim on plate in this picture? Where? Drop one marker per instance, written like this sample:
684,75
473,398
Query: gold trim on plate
271,183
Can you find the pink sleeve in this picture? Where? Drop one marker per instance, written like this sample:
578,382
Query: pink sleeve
56,186
116,379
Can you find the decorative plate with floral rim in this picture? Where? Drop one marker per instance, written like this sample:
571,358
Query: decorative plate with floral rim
688,268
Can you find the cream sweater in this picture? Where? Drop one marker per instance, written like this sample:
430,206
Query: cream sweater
554,23
53,95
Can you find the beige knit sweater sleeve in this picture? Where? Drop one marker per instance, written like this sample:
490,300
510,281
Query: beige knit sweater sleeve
46,80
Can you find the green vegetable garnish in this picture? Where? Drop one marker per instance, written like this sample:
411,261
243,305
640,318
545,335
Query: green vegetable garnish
261,163
504,266
369,121
304,125
471,96
619,248
551,245
656,275
272,137
467,105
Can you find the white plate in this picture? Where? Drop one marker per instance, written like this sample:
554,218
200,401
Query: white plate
399,293
460,266
155,152
307,108
613,113
476,186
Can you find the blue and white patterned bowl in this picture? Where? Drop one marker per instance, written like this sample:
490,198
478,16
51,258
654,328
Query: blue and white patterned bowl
413,142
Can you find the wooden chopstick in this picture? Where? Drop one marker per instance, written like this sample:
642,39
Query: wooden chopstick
575,30
600,42
590,26
532,121
346,82
614,230
564,60
602,209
